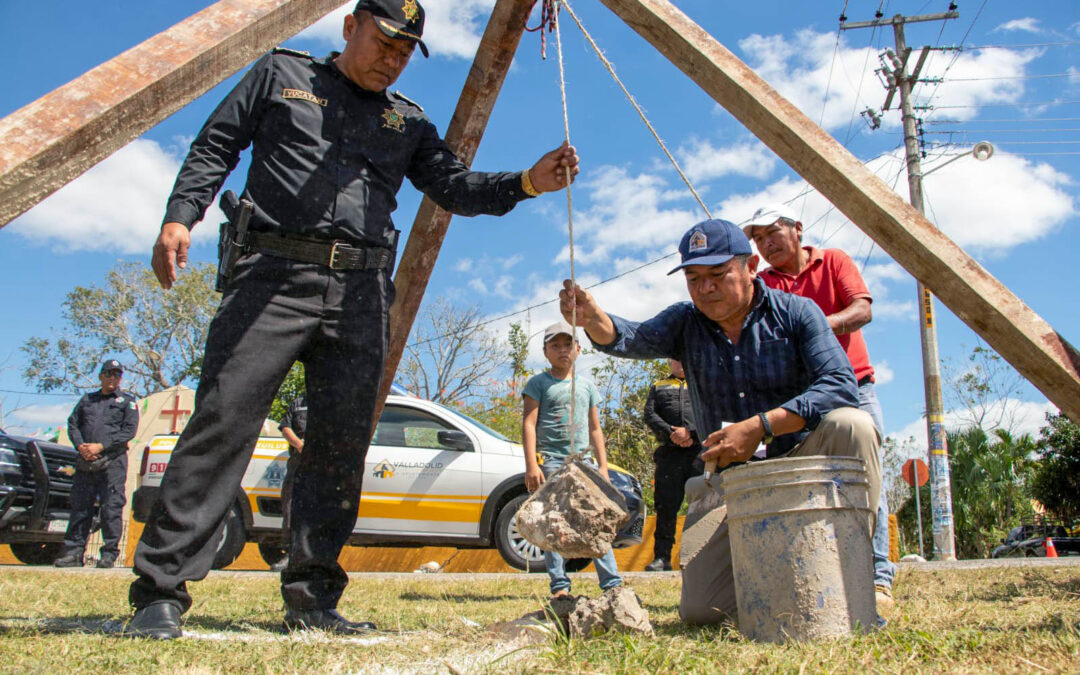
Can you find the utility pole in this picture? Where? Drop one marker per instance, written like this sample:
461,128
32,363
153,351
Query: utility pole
899,81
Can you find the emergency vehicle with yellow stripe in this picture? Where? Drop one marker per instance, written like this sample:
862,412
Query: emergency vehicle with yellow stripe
433,477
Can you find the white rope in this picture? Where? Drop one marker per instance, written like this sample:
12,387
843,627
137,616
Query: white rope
630,97
570,226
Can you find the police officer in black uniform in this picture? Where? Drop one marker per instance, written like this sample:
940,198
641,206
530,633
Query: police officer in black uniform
293,426
100,427
670,417
330,148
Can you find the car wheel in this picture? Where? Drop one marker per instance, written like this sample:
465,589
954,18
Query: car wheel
35,552
231,538
516,550
272,552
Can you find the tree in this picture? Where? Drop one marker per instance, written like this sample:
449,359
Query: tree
452,357
984,391
291,389
157,334
991,475
624,386
1057,477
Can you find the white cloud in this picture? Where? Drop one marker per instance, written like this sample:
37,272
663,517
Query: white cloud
1027,25
32,418
463,265
452,28
702,161
116,206
883,374
626,213
986,207
478,285
512,261
802,69
1028,417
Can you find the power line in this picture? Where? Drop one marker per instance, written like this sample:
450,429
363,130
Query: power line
1007,77
999,131
1025,46
35,393
1011,121
997,105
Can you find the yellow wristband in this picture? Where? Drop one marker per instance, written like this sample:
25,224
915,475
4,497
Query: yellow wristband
527,186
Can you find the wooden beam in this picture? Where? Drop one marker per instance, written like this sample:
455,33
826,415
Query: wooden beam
1016,332
482,86
62,134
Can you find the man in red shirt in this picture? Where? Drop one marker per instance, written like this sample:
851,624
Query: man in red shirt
830,279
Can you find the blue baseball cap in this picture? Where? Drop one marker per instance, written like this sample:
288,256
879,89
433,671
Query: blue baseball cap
712,242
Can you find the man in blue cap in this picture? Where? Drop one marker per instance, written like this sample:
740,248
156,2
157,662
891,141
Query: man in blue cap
763,368
331,146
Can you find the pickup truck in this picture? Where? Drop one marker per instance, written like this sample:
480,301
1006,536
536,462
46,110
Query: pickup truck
35,491
1029,541
433,477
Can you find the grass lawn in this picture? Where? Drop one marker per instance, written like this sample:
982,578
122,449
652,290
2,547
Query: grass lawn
964,620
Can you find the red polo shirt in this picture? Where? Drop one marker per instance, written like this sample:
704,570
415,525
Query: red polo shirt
832,281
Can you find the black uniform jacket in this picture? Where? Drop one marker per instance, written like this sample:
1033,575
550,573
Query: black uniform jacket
328,156
110,420
295,417
668,406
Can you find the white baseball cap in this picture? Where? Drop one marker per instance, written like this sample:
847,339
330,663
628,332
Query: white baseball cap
767,215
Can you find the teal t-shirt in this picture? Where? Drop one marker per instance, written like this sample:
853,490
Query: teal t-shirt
553,417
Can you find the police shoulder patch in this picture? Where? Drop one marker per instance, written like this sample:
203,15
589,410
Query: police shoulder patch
405,99
293,52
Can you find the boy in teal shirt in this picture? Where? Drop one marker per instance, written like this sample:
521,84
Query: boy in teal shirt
545,432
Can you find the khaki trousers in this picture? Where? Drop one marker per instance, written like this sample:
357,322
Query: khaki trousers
708,588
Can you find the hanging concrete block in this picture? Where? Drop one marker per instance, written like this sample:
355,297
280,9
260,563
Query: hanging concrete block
575,513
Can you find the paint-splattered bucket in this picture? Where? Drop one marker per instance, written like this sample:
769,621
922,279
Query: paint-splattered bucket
800,532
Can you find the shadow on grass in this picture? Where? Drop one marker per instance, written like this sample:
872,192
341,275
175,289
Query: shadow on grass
1028,586
112,625
463,597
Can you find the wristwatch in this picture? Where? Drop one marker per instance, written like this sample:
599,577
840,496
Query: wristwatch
768,428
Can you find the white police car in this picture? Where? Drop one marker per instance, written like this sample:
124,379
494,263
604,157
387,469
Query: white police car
433,477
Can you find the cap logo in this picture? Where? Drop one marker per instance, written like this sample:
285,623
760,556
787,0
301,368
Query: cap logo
698,242
410,9
392,119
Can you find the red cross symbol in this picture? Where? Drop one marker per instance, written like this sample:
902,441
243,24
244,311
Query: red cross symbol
176,413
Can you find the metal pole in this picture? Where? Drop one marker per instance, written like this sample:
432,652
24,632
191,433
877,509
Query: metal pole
940,489
918,512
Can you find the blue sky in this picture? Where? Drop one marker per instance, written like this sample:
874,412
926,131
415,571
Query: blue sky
1015,84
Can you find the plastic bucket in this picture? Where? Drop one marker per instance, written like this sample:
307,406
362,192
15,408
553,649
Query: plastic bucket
800,531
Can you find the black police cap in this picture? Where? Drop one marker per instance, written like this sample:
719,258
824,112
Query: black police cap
401,19
112,365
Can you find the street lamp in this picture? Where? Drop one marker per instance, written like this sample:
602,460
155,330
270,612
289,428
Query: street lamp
982,151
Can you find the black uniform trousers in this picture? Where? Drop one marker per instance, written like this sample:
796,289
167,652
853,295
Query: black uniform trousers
106,488
275,311
674,466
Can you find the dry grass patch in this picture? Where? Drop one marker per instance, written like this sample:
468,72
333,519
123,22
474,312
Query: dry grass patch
999,619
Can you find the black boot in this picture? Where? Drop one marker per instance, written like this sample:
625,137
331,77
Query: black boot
659,565
325,619
158,620
74,559
107,560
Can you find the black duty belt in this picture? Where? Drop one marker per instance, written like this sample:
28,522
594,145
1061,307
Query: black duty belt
336,255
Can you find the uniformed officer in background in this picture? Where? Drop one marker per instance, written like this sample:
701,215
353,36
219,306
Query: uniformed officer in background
293,426
670,417
100,427
330,149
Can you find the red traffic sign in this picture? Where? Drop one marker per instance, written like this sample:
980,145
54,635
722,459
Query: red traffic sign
913,467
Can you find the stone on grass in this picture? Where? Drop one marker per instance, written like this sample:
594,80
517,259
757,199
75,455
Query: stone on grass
576,513
618,609
428,568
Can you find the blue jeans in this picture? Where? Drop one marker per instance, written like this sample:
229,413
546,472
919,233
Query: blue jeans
884,569
606,568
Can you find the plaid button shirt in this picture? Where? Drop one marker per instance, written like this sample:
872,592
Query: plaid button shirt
786,357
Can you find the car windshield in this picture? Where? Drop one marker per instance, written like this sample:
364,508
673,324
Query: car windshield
480,425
